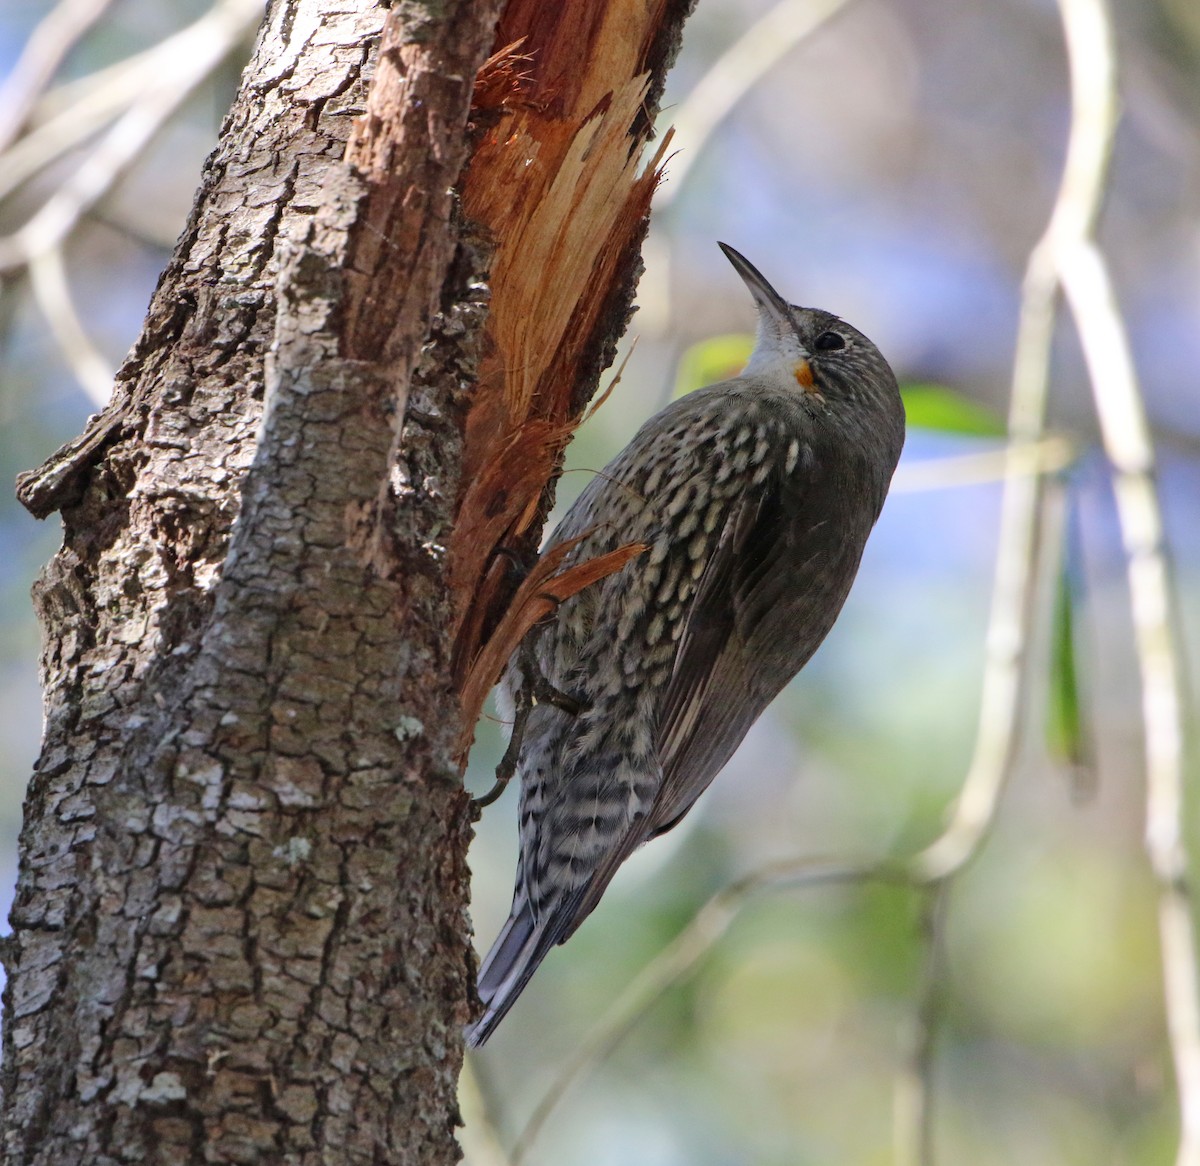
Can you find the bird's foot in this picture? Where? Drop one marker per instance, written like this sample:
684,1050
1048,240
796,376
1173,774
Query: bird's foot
543,692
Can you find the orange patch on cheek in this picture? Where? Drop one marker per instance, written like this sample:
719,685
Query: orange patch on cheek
804,375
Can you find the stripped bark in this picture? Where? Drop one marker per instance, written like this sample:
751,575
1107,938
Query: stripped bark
560,185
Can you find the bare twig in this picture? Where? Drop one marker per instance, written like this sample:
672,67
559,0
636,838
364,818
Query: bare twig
671,964
1127,440
1016,574
52,290
227,23
1048,456
913,1121
1158,635
58,32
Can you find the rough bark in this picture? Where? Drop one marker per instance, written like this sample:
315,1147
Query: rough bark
240,930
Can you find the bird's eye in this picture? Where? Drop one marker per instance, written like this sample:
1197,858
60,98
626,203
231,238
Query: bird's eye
829,342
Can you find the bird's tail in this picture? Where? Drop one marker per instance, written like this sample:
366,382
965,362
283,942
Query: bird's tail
519,948
523,941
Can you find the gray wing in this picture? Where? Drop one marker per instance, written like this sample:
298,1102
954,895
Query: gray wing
744,639
714,694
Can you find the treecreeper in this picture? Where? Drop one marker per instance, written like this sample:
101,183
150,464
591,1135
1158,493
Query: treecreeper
754,498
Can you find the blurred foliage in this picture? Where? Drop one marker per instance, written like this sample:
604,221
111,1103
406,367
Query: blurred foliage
1068,732
716,358
945,411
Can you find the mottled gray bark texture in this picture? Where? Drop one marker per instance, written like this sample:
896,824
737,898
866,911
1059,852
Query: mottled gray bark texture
240,931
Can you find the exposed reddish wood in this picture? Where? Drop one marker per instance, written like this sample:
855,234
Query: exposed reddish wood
542,590
502,79
558,182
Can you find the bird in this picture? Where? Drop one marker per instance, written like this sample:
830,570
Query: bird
753,498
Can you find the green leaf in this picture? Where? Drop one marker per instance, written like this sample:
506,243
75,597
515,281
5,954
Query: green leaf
1068,733
946,411
716,359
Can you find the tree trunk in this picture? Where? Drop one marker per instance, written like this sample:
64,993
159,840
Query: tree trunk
240,931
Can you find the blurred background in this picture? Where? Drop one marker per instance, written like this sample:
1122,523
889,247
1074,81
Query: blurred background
895,166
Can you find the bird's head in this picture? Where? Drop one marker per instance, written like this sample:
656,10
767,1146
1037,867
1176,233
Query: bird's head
827,359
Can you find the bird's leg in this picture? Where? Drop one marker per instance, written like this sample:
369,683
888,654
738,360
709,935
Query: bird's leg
519,563
508,763
543,692
539,688
535,690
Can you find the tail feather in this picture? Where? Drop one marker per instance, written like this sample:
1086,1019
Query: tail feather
517,953
523,942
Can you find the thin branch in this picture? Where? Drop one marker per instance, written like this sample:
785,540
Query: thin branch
1158,635
678,958
212,38
52,290
58,32
1048,456
913,1118
733,74
1016,573
1130,448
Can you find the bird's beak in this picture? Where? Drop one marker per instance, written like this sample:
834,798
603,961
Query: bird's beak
776,340
770,303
